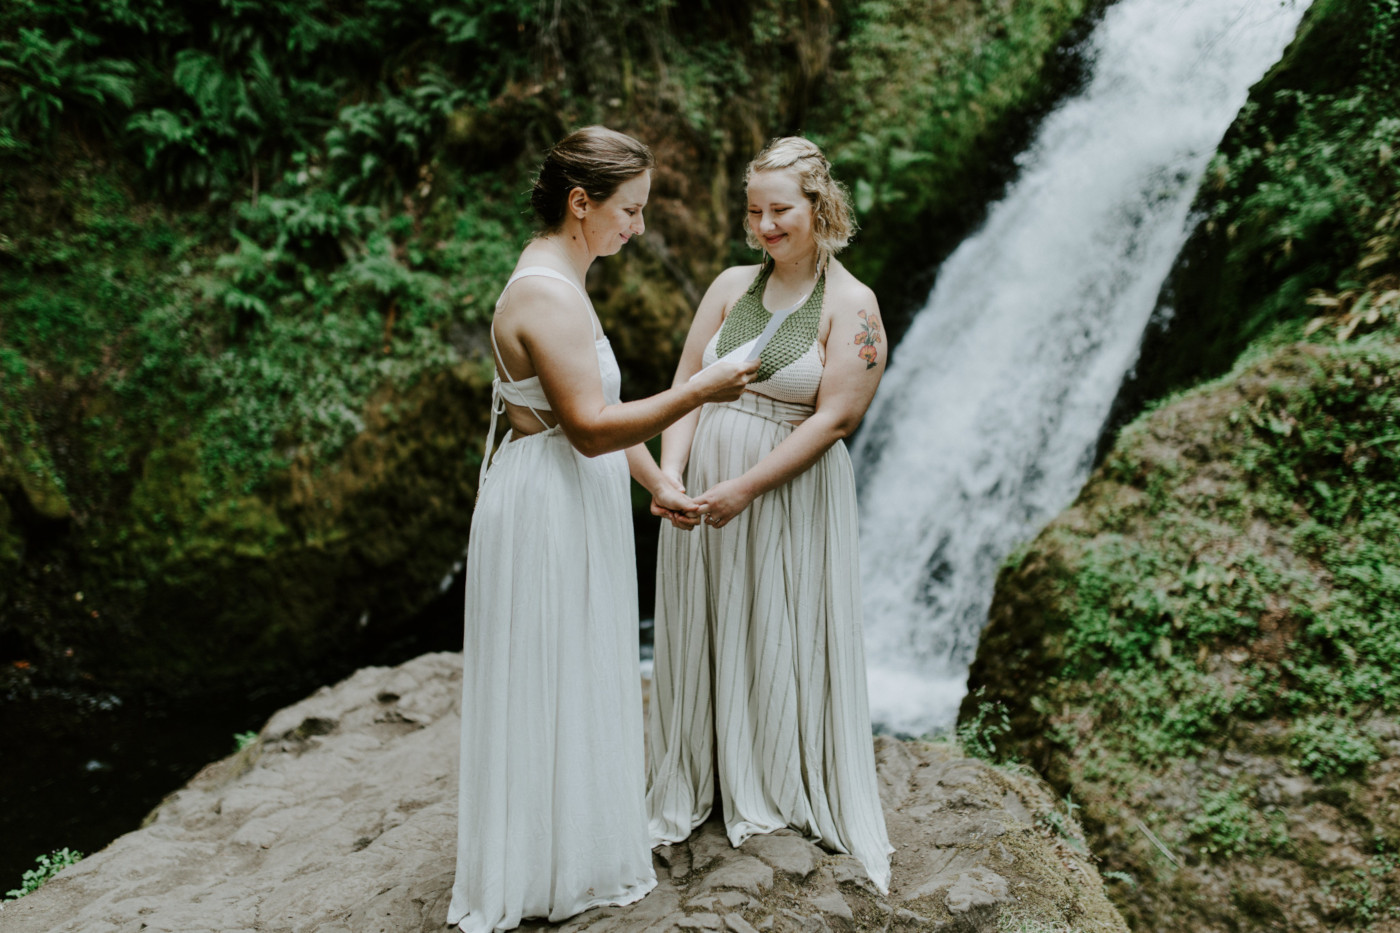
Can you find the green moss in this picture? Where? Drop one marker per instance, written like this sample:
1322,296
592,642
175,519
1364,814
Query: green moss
1225,590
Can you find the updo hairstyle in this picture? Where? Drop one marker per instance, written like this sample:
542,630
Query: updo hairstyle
595,159
833,223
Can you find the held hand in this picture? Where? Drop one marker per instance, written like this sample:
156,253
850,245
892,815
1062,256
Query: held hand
722,501
675,506
724,382
674,478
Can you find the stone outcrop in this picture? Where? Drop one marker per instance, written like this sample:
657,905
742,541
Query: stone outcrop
1195,653
1200,651
341,818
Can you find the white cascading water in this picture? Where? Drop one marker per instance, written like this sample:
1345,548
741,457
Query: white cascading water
985,425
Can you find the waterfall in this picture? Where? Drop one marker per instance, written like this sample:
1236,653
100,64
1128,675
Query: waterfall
986,421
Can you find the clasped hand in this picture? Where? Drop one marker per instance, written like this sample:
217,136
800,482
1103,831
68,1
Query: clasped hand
716,506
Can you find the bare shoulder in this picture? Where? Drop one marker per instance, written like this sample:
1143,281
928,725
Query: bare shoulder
733,282
540,293
847,295
853,322
536,306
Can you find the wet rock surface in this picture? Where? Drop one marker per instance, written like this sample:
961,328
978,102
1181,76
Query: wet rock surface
341,818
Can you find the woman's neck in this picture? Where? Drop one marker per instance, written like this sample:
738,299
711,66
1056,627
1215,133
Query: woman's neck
570,245
797,272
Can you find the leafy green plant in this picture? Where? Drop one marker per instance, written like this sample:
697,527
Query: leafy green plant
48,77
1061,824
1366,894
978,734
476,23
290,242
1296,199
1331,747
1224,828
1379,45
48,866
376,148
225,116
242,740
1313,187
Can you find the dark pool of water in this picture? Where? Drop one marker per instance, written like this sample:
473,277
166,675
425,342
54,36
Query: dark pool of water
77,770
81,769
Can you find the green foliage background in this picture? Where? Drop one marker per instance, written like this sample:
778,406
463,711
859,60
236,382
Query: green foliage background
248,249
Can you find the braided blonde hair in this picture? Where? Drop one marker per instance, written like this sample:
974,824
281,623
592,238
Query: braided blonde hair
833,222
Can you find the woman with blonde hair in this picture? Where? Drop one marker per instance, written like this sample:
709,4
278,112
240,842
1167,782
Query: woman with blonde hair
552,814
760,668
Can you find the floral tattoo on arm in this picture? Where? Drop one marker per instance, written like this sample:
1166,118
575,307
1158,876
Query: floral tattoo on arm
867,338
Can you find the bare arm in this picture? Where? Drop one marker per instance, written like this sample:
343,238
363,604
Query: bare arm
558,336
855,360
668,498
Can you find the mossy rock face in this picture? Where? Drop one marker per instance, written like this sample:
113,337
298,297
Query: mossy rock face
1204,652
11,549
191,589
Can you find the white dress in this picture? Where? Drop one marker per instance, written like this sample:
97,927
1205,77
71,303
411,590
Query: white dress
551,811
760,664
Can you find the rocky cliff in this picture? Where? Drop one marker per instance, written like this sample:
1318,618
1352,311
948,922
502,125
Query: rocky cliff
342,817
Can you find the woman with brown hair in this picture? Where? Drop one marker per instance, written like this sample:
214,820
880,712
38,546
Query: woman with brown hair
760,667
552,815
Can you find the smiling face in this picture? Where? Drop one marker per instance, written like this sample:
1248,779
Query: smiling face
607,225
780,216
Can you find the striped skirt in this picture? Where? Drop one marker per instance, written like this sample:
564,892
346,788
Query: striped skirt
760,667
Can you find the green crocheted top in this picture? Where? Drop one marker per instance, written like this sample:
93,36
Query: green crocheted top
795,335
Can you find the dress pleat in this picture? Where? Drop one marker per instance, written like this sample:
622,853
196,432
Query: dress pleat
759,654
552,796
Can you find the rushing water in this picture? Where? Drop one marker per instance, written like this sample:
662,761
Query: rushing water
985,424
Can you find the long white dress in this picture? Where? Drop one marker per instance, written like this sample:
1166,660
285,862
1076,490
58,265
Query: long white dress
758,627
551,810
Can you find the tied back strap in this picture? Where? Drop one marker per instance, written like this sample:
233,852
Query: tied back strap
498,407
498,402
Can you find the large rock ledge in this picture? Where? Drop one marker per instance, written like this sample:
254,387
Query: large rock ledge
342,817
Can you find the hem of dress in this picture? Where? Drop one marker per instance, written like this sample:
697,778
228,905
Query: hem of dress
882,882
665,840
629,895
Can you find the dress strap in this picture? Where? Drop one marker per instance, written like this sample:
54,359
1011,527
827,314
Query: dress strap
760,282
498,407
548,273
496,383
542,272
498,402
